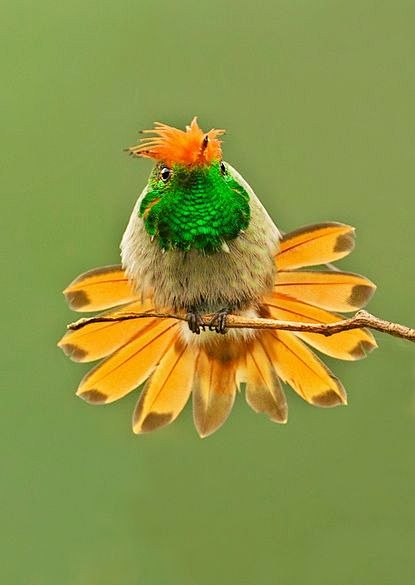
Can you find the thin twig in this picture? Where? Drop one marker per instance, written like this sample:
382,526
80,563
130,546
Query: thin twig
360,319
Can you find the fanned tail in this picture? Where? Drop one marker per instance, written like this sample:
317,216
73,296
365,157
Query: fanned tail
155,352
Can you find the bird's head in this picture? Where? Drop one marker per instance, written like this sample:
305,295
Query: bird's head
192,200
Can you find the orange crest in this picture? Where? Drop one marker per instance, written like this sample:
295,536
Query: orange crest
171,145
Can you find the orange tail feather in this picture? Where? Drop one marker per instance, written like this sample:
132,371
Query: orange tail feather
99,289
214,392
315,244
130,366
263,389
167,391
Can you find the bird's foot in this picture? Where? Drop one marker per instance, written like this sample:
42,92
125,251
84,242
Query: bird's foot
218,322
195,322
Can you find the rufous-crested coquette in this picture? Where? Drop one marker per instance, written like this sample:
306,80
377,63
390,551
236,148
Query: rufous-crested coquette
199,241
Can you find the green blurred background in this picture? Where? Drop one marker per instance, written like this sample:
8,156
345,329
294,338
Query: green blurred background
318,100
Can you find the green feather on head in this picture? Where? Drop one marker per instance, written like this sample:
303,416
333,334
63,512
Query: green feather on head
192,201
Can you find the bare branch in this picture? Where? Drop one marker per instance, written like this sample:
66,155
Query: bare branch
360,319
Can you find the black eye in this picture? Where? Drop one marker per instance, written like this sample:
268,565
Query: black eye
223,169
165,174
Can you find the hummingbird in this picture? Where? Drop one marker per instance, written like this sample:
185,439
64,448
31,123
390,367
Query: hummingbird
199,241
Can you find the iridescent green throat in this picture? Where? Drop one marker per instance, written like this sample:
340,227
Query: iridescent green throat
194,207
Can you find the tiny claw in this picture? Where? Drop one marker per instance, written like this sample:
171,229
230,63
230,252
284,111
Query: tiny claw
152,238
218,322
195,322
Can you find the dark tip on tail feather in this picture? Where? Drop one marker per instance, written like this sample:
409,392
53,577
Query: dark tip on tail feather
76,299
93,396
328,399
362,349
344,243
73,351
155,420
360,295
